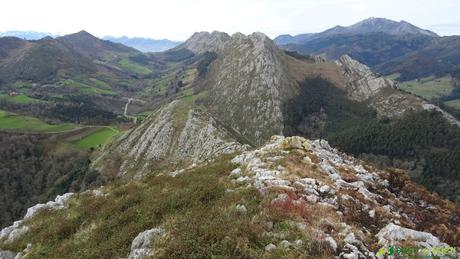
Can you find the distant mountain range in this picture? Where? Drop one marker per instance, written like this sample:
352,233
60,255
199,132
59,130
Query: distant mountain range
26,35
144,44
141,44
387,46
371,25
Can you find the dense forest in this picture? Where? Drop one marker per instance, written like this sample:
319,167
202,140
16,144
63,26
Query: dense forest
32,171
424,138
321,108
423,143
74,109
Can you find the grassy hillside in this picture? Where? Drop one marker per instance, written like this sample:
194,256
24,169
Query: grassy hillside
21,99
19,123
429,87
97,138
454,104
133,67
195,207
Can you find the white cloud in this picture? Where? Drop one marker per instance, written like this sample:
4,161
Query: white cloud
178,19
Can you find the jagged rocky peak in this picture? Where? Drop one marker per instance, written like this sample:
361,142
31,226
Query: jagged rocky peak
201,42
362,82
216,41
247,86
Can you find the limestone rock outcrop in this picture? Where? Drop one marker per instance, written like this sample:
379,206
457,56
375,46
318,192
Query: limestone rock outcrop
141,248
362,83
176,134
247,85
360,207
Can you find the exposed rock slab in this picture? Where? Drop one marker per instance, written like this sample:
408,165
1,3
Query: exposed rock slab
142,245
175,134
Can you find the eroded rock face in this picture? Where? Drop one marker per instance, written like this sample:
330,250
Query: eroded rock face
58,203
11,233
141,247
247,84
7,255
381,93
395,234
175,134
310,176
201,42
363,83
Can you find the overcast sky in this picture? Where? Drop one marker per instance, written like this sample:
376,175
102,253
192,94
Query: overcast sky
178,19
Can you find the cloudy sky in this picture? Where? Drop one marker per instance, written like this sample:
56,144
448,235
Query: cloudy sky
178,19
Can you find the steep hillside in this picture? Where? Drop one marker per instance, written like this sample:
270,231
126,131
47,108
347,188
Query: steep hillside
87,45
34,169
247,83
178,134
440,57
290,198
41,61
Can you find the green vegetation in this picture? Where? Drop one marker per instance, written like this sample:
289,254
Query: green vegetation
423,143
454,104
93,90
129,65
427,143
203,64
30,124
21,99
322,108
393,76
88,86
32,170
429,87
97,138
198,213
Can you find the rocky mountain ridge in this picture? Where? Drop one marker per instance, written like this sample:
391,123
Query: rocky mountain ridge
175,135
329,198
243,95
253,69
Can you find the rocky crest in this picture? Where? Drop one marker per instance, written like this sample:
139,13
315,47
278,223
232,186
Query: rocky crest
201,42
247,84
347,207
355,208
362,83
176,134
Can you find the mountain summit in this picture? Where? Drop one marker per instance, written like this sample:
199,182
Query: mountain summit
367,26
386,26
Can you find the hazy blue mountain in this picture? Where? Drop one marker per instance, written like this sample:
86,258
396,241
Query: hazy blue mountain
144,44
370,25
28,35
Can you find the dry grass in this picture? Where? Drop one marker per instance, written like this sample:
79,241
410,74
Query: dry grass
347,174
299,70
